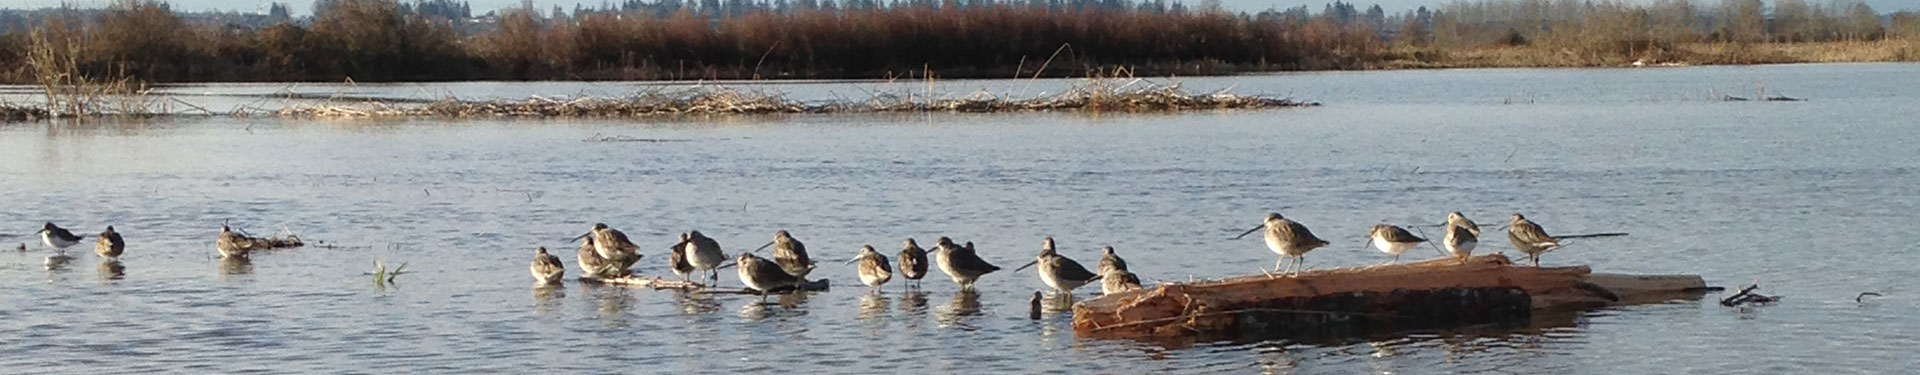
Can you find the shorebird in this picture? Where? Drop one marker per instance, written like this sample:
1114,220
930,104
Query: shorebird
764,276
961,263
232,245
1289,239
677,257
56,237
790,254
873,270
1529,238
109,245
705,255
913,262
612,245
1461,237
1110,262
1118,280
546,268
1455,218
1059,272
1393,240
591,264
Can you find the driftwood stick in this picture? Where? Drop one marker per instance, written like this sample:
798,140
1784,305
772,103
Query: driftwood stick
1593,235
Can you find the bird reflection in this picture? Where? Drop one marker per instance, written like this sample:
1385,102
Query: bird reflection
873,306
913,302
1274,359
695,303
546,297
965,303
230,266
611,304
112,270
785,305
1058,302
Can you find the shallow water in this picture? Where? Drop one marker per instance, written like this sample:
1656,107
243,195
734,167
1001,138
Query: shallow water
1810,198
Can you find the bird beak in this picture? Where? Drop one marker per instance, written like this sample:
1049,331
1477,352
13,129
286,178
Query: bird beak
763,247
725,266
577,238
1250,231
855,259
1029,264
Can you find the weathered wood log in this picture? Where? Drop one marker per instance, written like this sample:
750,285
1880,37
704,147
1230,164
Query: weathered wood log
1484,289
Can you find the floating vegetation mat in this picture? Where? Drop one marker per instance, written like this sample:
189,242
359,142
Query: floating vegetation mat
1096,95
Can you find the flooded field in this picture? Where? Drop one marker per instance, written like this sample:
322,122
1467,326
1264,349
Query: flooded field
1810,198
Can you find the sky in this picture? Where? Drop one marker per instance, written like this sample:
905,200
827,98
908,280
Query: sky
301,7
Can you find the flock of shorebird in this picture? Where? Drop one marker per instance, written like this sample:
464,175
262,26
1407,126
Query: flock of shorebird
607,253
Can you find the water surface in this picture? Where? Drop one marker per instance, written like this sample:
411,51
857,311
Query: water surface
1810,198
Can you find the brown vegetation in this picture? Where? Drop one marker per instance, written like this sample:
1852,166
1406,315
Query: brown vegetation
384,40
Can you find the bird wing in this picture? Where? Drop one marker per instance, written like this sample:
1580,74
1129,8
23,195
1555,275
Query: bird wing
1299,233
1401,235
1529,233
966,259
1109,263
1071,270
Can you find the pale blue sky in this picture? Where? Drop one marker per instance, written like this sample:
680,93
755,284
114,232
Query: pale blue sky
480,6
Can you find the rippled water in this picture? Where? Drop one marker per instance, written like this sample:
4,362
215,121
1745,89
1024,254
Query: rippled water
1813,199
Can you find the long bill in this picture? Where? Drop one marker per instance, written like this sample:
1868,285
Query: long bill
577,238
762,247
1029,264
856,259
1250,231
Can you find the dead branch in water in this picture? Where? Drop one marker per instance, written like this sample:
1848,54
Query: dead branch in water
659,283
1747,296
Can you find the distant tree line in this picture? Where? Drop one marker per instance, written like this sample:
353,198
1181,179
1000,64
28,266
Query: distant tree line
388,40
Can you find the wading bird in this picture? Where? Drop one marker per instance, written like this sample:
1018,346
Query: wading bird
232,245
1057,271
764,276
1393,240
1461,239
1289,239
1110,262
677,257
790,253
1119,280
109,246
547,268
705,255
913,262
56,237
591,264
1529,238
961,263
874,270
614,247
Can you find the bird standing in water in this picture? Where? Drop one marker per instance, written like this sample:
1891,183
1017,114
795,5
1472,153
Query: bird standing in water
614,247
1057,271
764,276
677,257
1393,240
790,253
109,246
1289,239
591,264
1529,238
961,263
547,268
874,270
56,237
705,255
232,245
913,262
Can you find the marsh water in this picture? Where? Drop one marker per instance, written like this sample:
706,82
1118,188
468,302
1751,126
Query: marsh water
1815,200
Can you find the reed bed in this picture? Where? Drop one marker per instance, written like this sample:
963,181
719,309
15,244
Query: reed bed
1094,95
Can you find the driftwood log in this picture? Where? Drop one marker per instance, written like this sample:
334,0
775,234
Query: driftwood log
656,283
1429,294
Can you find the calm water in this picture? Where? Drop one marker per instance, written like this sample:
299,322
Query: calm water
1814,199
